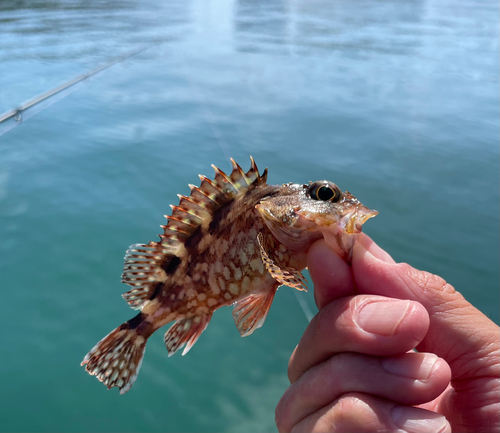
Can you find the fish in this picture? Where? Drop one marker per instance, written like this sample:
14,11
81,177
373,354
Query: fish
233,241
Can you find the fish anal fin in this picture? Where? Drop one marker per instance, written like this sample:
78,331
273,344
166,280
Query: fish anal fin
250,312
185,332
284,275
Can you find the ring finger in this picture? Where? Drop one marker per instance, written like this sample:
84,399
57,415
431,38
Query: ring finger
365,413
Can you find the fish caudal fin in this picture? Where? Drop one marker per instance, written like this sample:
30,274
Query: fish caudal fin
117,358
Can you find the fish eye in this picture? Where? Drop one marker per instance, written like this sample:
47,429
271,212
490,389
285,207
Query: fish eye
324,191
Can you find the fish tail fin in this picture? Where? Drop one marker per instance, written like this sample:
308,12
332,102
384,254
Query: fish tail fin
117,358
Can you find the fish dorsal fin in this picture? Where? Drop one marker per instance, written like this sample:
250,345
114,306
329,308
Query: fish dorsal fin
250,312
284,275
185,332
147,265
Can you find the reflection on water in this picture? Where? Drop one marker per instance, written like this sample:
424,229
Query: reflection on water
335,27
397,102
261,22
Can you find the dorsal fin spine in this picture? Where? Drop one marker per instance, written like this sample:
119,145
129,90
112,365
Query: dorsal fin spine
179,216
253,165
191,202
180,213
207,185
174,230
238,174
224,183
186,221
195,189
263,178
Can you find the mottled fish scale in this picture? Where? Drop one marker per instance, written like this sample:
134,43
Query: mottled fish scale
232,241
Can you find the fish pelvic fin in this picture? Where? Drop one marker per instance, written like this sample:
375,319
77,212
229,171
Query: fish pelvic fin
117,358
185,332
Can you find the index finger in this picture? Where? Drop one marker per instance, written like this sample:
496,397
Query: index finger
331,275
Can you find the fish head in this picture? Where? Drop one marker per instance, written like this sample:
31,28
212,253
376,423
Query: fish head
297,215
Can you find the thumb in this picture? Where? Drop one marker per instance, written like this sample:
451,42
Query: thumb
458,333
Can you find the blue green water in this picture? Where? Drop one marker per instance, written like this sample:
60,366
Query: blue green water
395,101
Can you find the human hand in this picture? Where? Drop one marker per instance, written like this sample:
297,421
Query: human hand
354,369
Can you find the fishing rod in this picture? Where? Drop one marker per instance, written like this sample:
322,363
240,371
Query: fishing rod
14,117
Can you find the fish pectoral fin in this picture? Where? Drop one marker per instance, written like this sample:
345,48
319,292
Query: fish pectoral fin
250,312
286,276
185,332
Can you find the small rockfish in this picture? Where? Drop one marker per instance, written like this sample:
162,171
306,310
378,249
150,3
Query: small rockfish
233,241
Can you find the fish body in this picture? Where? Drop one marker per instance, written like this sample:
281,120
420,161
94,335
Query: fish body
233,241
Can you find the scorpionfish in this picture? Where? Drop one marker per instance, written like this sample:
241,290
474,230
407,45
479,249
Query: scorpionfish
233,241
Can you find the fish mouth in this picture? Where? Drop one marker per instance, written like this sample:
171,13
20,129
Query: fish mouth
354,220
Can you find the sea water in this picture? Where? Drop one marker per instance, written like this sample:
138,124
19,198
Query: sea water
395,101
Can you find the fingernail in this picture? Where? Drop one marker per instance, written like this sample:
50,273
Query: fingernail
415,420
413,365
374,250
384,317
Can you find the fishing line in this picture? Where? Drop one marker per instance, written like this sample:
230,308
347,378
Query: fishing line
14,117
304,305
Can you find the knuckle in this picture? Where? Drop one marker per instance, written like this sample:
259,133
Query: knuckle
324,322
281,414
278,416
337,313
425,281
360,412
285,412
351,403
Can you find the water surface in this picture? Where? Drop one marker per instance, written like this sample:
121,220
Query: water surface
395,101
